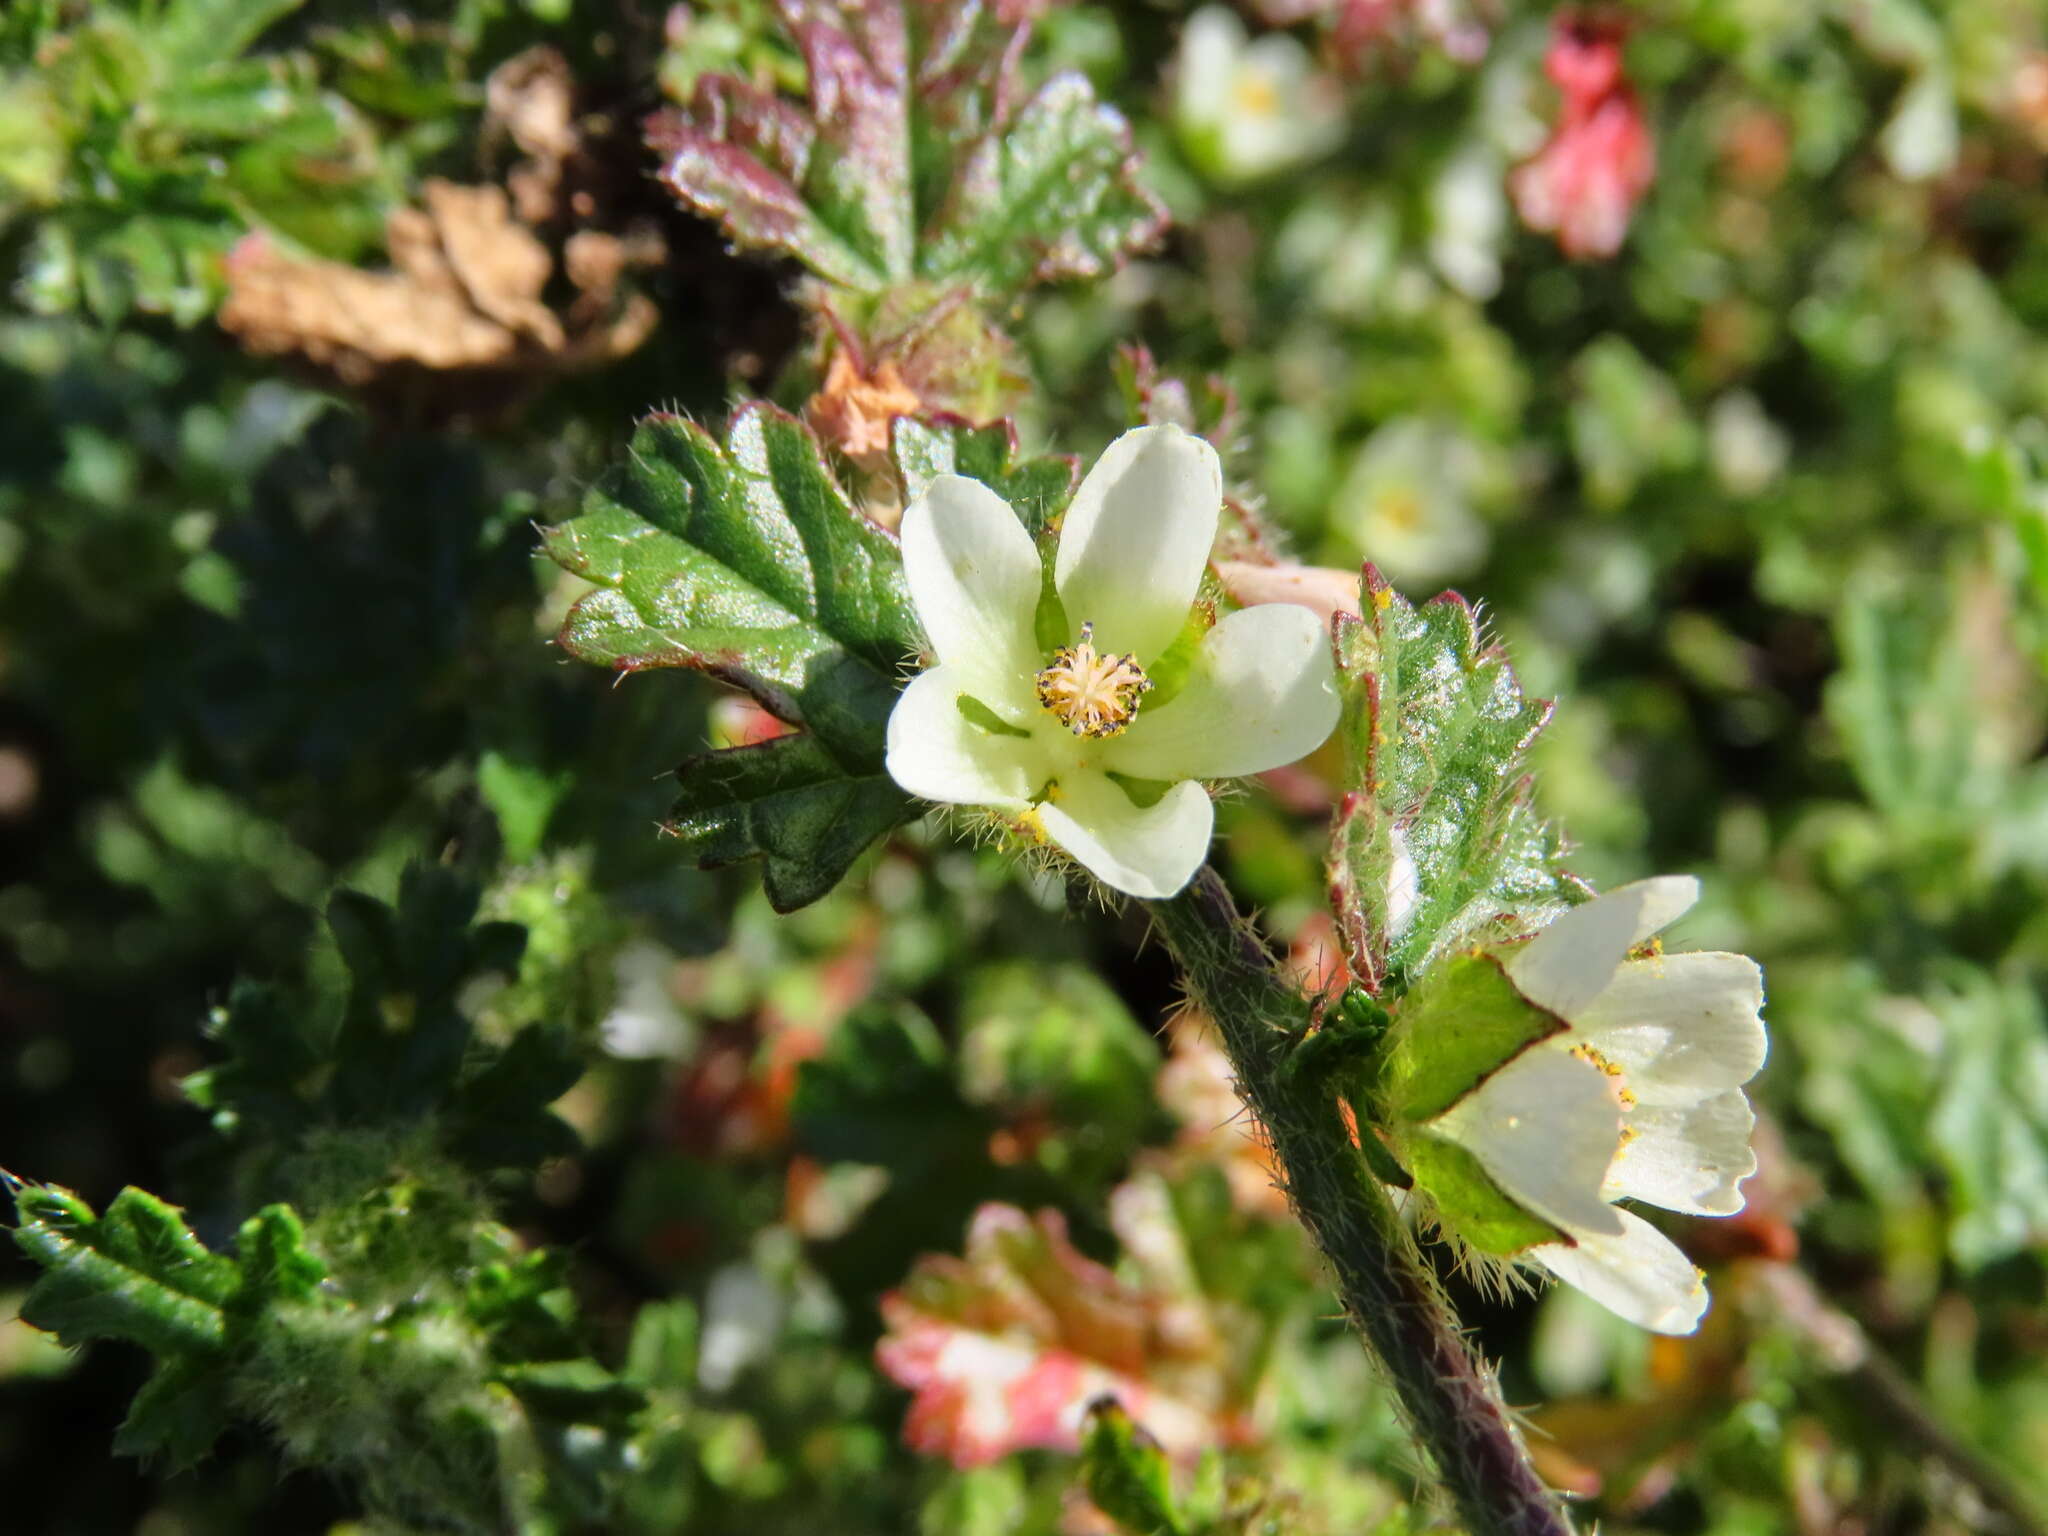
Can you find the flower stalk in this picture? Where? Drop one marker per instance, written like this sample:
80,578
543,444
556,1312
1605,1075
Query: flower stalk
1445,1390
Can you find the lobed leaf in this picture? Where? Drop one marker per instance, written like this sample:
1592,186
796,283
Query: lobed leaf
136,1273
913,161
1437,837
745,560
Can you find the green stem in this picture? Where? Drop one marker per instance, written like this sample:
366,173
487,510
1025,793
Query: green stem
1392,1297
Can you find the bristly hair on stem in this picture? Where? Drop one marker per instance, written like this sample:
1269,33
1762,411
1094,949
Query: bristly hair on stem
1445,1390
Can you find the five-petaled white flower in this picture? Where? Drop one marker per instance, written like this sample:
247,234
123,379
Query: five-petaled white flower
1638,1098
1048,704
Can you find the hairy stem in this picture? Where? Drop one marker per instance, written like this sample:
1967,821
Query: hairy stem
1391,1296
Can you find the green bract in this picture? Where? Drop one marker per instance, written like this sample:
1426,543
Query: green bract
1440,839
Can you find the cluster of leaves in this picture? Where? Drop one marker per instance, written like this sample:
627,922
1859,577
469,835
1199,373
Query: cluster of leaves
140,141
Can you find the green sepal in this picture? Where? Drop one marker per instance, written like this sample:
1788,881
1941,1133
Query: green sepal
1126,1473
1461,1025
1436,839
1469,1205
979,714
1143,793
1170,670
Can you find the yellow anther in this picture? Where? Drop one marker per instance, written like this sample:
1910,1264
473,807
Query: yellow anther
1090,693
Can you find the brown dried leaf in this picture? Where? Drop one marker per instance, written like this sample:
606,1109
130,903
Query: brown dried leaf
464,295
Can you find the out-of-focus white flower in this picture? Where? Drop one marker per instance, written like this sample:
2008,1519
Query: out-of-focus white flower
1246,108
1089,709
1468,212
645,1023
1637,1097
1921,140
1407,503
1747,449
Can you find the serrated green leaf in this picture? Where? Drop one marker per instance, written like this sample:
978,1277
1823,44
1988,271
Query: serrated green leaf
1053,195
1436,837
1464,1022
747,561
1126,1473
913,159
790,803
1468,1202
137,1273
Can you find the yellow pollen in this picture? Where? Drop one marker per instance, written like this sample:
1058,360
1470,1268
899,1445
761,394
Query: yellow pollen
1091,693
1254,95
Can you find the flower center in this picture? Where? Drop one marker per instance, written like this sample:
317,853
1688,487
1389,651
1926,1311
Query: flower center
1091,693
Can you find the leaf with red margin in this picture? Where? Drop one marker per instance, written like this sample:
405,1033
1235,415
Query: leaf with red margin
913,161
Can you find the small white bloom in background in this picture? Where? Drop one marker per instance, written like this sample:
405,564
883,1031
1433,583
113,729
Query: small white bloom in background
1408,501
1747,449
645,1023
1922,138
1639,1097
1247,108
1468,221
1090,715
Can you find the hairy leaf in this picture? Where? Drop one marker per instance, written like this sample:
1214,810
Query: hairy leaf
913,159
746,560
136,1273
1436,837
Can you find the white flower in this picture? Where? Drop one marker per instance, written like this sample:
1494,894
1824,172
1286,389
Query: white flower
1638,1098
1408,500
1074,737
1247,109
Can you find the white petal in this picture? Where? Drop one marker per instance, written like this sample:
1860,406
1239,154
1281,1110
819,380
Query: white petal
1545,1126
1263,692
974,578
1691,1158
1680,1027
1147,851
1640,1275
937,752
1572,960
1135,539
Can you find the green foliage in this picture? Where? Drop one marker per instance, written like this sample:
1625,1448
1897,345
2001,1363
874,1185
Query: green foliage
1127,1474
1463,1022
1036,487
145,139
746,560
136,1273
1437,838
918,159
403,1049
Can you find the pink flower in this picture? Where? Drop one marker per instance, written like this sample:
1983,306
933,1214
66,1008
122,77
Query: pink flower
1584,183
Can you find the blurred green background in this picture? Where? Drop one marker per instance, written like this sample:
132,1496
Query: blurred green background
1761,499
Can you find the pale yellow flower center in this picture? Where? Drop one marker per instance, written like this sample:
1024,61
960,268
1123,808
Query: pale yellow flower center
1089,692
